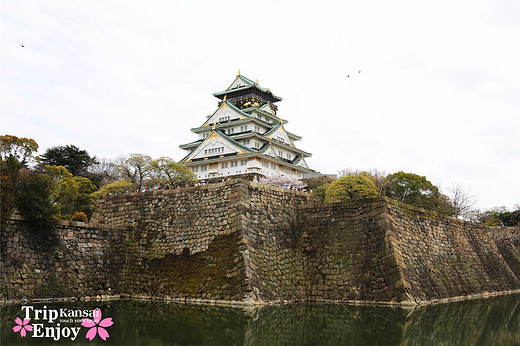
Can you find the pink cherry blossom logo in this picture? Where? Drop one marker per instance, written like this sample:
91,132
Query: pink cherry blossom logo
22,326
96,326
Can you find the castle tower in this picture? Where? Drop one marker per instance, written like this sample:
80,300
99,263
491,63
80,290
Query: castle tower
245,135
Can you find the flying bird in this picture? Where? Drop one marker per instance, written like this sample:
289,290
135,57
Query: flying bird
348,75
23,46
359,71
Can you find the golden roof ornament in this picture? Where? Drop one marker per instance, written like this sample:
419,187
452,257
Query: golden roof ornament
238,74
225,98
214,126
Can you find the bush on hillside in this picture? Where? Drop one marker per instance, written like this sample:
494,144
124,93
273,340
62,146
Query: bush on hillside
350,187
79,216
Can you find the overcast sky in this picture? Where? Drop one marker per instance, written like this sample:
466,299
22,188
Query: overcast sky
438,93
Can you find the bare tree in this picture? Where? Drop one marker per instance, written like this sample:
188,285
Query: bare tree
103,172
462,201
135,167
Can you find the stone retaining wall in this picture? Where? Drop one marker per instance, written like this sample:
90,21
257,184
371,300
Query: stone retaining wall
442,257
198,243
274,257
381,250
243,242
76,260
348,253
181,243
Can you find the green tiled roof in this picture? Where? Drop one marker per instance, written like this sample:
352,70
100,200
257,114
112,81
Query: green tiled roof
249,84
297,159
234,141
271,131
232,106
276,127
226,137
190,144
245,80
293,135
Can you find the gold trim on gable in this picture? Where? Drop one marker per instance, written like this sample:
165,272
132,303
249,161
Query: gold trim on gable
212,136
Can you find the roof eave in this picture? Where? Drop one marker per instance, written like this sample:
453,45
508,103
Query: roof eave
221,94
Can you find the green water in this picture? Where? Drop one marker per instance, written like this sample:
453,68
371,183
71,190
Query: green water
493,321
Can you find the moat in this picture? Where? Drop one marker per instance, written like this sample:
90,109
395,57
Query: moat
493,321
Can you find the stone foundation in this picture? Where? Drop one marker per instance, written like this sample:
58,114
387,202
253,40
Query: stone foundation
246,243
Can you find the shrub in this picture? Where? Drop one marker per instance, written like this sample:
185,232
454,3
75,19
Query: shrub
33,200
79,216
119,187
350,187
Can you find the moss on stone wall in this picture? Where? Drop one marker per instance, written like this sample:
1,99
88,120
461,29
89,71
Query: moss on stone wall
217,273
74,260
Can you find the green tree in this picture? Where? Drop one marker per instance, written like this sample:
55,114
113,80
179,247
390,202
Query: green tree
416,190
15,154
121,186
510,218
33,200
74,159
165,171
498,216
378,177
350,187
69,193
135,167
319,185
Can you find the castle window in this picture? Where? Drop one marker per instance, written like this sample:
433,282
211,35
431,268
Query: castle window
243,162
224,165
222,119
204,168
265,164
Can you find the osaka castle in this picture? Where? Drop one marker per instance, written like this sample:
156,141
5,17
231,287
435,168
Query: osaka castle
245,136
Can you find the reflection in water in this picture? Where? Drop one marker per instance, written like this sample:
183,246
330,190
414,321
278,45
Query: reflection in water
493,321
